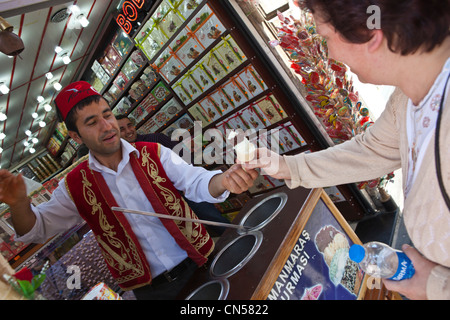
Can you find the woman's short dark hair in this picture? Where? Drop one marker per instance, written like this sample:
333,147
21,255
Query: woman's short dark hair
71,116
408,25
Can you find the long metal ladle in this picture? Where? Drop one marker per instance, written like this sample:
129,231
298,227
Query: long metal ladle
165,216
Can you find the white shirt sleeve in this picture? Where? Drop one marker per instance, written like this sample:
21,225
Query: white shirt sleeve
192,181
60,213
52,217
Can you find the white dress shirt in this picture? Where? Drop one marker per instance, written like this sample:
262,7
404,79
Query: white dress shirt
160,248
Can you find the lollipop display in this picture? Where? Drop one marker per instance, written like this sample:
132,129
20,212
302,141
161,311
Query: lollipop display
329,88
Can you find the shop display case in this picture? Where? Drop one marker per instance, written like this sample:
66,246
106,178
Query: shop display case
295,247
283,255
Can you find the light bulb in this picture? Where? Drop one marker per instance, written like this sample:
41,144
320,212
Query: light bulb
57,86
3,116
26,143
74,9
66,59
42,124
49,75
40,99
4,89
28,133
34,140
34,115
48,107
32,150
58,49
2,136
83,20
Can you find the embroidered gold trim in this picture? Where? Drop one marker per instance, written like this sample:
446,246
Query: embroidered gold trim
68,190
192,231
120,260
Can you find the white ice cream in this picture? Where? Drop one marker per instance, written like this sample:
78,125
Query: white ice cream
245,151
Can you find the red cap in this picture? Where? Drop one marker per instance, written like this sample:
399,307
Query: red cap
72,94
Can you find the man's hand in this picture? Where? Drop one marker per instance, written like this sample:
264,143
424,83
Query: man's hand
236,180
416,287
13,192
12,188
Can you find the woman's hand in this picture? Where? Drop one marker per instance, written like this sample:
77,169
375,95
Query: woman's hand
270,163
414,288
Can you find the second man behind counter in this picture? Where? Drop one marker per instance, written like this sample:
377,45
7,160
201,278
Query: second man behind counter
204,210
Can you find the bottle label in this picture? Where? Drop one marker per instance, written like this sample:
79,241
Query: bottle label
405,267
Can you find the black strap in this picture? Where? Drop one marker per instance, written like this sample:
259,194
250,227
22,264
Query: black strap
436,148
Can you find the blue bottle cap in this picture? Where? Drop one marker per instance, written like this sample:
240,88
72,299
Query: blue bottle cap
357,253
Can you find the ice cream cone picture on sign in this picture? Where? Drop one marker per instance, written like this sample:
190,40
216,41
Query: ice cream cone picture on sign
312,293
334,247
245,150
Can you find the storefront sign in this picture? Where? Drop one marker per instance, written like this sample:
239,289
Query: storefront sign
318,266
127,18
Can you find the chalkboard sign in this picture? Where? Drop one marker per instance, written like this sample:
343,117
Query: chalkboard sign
314,263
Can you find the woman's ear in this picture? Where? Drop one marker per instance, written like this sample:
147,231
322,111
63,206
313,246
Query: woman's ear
376,41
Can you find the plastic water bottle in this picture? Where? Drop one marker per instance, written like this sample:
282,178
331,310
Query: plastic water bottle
380,260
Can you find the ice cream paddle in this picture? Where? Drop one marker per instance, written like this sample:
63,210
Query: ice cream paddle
165,216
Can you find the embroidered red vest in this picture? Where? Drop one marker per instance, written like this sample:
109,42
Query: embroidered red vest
120,247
